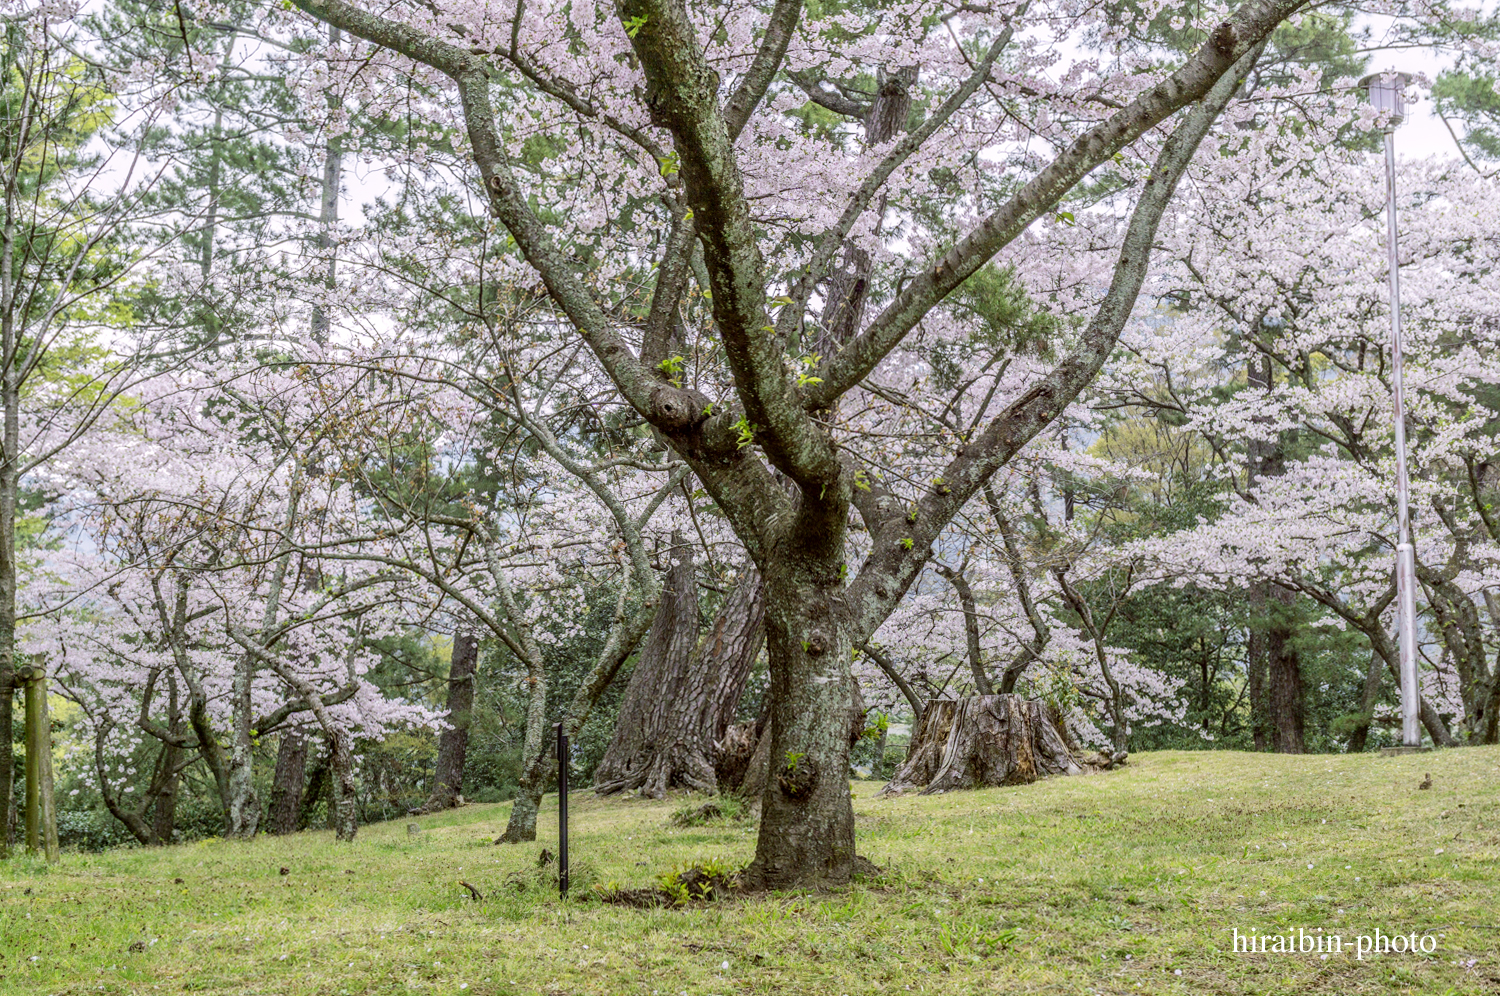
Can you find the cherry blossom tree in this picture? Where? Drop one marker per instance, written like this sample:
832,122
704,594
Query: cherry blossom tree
196,589
76,334
693,126
1302,299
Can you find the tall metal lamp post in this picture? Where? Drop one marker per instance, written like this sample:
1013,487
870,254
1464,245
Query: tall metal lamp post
1388,93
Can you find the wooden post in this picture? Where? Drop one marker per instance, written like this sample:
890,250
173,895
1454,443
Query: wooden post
562,811
49,797
41,814
33,760
7,758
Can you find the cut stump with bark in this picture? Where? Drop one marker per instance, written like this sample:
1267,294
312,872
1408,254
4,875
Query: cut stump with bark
990,740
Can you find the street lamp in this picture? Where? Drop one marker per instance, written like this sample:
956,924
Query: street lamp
1387,94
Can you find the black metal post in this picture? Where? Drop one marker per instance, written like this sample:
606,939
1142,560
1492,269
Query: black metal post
562,811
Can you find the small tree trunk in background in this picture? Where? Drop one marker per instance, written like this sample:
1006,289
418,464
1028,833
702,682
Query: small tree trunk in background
164,813
242,816
521,826
1367,699
164,810
344,812
1256,663
316,788
286,785
1287,694
328,211
453,742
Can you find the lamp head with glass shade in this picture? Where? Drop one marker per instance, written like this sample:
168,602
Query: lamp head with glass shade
1388,93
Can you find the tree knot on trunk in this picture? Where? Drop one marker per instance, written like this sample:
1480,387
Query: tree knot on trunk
816,644
675,409
1224,39
797,776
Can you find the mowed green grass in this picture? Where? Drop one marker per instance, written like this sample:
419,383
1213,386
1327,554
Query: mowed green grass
1126,882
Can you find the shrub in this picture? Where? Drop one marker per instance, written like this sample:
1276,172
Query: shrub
91,830
716,811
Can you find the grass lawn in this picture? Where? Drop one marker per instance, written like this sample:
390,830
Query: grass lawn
1125,882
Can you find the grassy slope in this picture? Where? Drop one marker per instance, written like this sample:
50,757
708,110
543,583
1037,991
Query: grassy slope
1110,884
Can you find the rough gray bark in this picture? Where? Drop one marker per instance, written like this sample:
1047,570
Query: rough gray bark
1287,696
685,730
521,826
653,747
989,740
242,814
284,813
453,742
728,652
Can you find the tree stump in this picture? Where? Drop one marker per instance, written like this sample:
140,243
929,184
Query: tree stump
990,740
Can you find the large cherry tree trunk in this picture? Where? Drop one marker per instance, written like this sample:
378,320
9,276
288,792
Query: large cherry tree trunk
807,816
453,742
